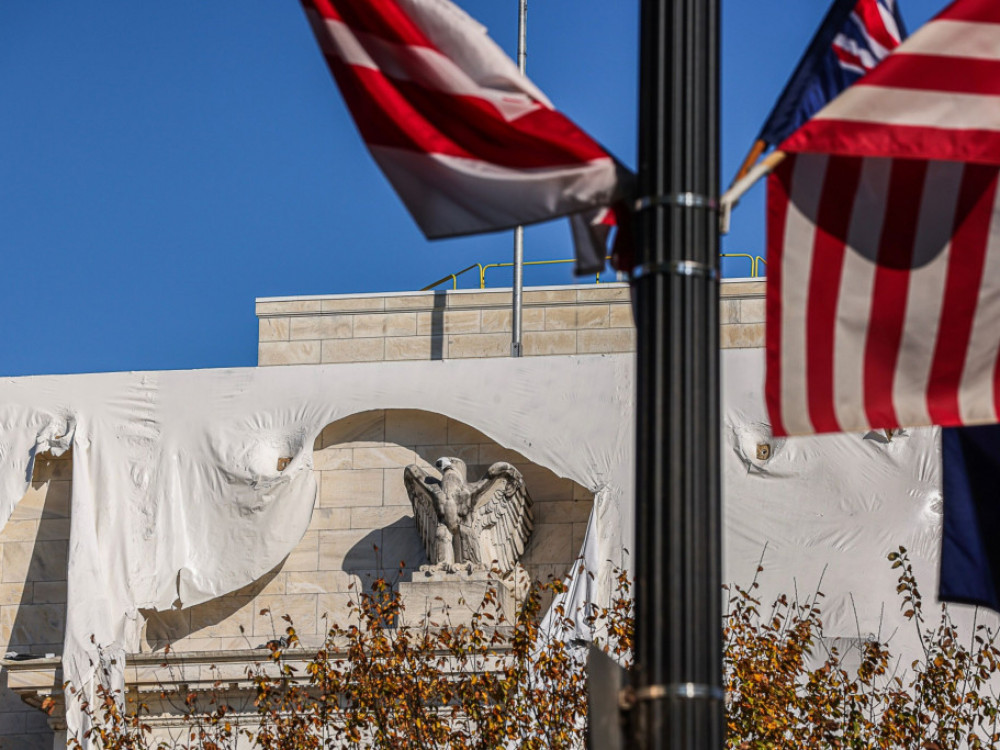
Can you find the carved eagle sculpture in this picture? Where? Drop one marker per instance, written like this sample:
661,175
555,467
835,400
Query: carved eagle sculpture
472,526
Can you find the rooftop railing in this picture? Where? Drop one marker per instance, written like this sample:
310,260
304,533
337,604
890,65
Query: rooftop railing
756,261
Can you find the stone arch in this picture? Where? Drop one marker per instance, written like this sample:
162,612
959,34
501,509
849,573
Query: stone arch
362,526
360,461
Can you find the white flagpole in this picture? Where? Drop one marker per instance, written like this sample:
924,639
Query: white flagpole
515,318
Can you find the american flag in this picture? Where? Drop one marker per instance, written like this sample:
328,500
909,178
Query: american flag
468,143
883,295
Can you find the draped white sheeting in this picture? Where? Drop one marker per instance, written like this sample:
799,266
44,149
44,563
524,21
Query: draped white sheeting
176,494
177,498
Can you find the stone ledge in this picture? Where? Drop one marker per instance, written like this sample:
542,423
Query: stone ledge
450,299
34,680
745,288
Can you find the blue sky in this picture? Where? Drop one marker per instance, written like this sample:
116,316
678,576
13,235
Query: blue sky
163,164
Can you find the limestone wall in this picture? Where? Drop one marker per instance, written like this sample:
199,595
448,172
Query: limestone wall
362,525
583,319
362,504
33,549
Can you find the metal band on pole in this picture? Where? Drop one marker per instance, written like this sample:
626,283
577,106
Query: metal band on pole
677,682
516,347
679,267
684,690
691,200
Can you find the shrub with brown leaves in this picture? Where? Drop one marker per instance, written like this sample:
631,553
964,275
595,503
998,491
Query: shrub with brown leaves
380,683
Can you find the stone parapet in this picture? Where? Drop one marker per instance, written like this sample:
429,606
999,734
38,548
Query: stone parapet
463,324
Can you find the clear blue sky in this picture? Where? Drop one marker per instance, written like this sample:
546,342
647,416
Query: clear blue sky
163,164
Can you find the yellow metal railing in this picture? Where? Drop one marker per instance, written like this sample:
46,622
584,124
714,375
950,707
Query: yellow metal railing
454,278
755,263
482,275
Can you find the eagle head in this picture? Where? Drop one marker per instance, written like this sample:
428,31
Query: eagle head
451,464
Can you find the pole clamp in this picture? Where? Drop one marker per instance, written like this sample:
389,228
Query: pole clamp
685,200
677,267
630,696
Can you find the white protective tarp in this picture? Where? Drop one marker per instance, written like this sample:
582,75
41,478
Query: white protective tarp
177,498
821,512
829,509
176,494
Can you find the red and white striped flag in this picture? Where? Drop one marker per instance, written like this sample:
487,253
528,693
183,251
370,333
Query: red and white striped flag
883,298
467,141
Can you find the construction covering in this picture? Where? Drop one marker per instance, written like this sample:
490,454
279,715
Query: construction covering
177,497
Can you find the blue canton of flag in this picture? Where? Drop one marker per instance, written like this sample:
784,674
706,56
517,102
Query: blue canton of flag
854,37
970,556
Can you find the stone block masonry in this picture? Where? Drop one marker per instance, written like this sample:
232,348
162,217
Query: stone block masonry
362,524
362,527
463,324
33,550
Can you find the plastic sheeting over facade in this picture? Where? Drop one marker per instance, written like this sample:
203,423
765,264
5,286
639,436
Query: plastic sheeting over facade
177,498
829,509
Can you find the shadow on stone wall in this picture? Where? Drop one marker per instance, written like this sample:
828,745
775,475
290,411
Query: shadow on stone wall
392,552
40,623
37,622
168,627
437,324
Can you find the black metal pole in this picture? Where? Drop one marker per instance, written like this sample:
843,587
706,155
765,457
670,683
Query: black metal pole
678,676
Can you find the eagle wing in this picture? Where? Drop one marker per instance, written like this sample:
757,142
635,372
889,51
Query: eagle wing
503,516
422,489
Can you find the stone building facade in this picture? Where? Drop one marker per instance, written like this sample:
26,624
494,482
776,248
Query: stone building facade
564,320
362,522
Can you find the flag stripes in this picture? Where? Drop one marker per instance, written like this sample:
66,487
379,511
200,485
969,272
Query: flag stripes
821,319
887,254
865,229
975,41
406,115
936,97
777,355
893,259
878,23
896,289
421,64
932,252
937,73
978,11
854,60
977,387
799,231
958,309
471,193
469,144
894,137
